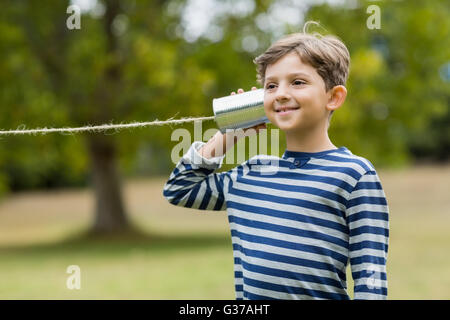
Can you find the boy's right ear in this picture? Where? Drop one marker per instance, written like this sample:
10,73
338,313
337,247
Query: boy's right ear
336,98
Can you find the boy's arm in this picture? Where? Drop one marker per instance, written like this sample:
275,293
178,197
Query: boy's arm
368,222
193,183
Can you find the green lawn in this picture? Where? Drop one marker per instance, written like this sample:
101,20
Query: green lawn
146,268
186,254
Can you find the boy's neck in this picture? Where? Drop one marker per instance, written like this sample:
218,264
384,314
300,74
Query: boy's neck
309,141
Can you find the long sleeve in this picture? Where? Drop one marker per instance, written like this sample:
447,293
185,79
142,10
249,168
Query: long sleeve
368,222
193,183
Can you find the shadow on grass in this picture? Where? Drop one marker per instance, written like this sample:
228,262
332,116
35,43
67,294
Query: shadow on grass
121,243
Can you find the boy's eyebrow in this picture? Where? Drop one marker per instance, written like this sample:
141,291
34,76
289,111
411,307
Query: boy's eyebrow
294,74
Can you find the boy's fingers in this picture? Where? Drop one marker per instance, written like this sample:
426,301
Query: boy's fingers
240,90
261,126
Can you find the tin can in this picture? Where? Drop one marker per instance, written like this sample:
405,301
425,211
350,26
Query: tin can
240,111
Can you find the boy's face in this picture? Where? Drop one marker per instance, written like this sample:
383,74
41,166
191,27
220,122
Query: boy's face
293,85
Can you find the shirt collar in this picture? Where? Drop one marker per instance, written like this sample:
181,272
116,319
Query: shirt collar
307,155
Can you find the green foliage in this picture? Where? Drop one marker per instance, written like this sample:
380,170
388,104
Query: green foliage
394,87
397,107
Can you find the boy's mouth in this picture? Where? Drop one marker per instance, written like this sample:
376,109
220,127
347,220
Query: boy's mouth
285,109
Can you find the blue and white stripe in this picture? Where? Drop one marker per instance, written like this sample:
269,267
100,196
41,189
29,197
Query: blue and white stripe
294,225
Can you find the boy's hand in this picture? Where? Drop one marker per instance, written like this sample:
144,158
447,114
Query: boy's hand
220,143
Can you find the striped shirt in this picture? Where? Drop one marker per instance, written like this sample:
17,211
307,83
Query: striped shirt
295,221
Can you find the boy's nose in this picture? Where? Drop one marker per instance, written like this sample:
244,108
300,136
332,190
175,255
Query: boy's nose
282,94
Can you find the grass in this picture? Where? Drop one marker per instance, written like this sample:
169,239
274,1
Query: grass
129,268
186,254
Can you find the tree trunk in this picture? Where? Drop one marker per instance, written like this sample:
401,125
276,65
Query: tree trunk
109,213
110,216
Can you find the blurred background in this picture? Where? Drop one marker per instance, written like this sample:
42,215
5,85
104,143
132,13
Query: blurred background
95,200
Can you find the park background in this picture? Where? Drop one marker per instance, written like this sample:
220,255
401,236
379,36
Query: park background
95,199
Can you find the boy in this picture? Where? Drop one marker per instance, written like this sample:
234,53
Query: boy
294,231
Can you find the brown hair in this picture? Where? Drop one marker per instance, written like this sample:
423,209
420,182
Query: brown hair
327,54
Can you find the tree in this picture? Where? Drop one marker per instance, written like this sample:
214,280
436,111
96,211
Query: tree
95,101
92,75
395,90
135,61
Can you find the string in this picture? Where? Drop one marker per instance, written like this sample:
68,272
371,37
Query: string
104,127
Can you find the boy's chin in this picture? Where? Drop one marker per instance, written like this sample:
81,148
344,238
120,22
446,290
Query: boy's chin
289,129
286,125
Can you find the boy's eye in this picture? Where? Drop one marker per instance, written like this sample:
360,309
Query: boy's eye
299,82
270,86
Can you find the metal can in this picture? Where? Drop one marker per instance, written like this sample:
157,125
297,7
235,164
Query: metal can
240,111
